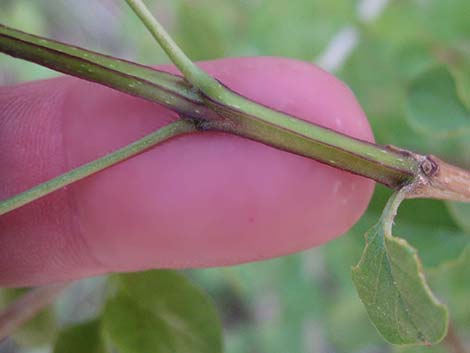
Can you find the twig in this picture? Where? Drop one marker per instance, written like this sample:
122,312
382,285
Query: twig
440,180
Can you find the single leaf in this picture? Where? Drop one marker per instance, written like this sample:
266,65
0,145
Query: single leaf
81,338
434,107
429,227
161,311
425,224
391,284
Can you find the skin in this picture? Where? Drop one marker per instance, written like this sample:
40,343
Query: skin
199,200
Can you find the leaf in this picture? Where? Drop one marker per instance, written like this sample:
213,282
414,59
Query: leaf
425,224
161,311
391,284
434,107
81,338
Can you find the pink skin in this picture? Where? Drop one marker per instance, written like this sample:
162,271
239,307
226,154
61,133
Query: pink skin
199,200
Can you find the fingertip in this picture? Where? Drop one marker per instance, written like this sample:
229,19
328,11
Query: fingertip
216,199
199,200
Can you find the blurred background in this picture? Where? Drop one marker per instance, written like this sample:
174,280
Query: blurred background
304,302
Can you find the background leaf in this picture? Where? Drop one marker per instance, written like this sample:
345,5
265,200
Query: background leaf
435,107
82,338
391,284
161,311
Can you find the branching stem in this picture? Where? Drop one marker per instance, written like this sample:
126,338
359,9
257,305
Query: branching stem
191,72
215,107
423,176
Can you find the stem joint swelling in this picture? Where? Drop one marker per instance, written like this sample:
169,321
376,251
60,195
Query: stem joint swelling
429,167
438,179
200,125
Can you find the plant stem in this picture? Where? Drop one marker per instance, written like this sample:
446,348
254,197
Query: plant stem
257,122
390,166
220,109
387,166
390,210
25,308
157,86
441,180
171,130
191,72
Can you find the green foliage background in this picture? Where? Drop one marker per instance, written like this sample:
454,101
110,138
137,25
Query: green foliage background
305,302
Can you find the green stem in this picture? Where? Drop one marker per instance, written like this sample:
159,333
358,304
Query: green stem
216,109
191,72
390,210
171,130
255,121
157,86
220,109
391,167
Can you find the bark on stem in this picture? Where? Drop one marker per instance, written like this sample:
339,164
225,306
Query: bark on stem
440,180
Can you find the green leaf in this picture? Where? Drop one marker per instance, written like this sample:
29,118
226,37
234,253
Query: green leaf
391,284
434,106
161,311
427,225
85,337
